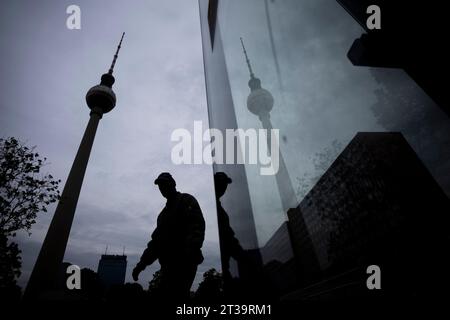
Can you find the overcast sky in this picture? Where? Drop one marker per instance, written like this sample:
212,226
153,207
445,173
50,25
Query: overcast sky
45,72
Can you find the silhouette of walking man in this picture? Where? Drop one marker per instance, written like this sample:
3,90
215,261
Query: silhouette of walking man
176,241
229,244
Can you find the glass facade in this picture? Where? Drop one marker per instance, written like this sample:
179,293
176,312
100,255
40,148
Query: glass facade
291,72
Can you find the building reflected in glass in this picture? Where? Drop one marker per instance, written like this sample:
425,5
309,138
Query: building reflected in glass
364,157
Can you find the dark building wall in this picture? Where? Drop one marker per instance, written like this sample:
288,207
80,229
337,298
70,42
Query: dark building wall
307,264
280,268
411,38
378,204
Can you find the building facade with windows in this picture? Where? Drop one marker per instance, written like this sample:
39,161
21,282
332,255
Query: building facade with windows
112,269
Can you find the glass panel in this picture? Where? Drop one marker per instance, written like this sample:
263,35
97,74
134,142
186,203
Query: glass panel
310,91
298,51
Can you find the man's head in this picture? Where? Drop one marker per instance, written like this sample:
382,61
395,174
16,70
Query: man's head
221,182
166,184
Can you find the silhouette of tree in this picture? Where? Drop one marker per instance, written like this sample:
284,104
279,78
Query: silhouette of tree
304,183
155,283
91,285
129,293
210,290
321,161
10,264
23,193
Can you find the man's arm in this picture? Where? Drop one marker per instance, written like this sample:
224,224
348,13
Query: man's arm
149,256
196,226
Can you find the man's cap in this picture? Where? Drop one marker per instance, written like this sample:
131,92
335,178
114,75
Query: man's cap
165,177
222,176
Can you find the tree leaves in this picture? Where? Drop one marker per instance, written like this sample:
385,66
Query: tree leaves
23,192
10,263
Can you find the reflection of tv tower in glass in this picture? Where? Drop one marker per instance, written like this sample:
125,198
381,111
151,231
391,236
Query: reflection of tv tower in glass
260,102
100,99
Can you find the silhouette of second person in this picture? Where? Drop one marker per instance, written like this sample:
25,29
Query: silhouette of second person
229,244
176,242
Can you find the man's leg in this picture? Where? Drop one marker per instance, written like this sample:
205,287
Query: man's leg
177,282
188,279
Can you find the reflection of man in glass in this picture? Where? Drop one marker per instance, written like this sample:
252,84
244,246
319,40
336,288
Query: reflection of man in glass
176,241
229,245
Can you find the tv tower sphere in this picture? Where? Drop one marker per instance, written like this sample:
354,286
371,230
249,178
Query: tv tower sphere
102,96
260,101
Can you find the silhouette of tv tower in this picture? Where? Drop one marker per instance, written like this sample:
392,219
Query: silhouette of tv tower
100,99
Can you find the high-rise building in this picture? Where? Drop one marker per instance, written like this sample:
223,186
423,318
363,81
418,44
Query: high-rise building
376,205
112,269
100,99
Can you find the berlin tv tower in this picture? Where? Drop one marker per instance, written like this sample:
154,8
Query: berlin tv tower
260,102
100,99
